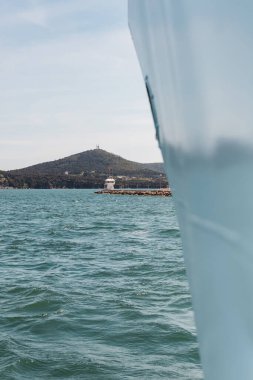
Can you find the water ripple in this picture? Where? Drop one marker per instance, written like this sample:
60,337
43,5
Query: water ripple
93,288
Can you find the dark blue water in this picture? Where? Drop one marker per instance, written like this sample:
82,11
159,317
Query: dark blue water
93,287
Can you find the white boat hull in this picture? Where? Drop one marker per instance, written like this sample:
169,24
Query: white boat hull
197,62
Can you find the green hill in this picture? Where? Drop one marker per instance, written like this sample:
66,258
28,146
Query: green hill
156,167
91,161
85,170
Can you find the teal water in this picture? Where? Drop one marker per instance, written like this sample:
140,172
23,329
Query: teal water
93,287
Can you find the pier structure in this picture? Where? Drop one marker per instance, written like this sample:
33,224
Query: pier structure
109,189
154,192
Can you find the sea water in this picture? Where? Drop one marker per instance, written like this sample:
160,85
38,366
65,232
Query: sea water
93,287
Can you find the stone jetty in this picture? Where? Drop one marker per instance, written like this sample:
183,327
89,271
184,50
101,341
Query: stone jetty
154,192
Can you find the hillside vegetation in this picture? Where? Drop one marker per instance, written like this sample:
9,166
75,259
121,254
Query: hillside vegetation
96,160
85,170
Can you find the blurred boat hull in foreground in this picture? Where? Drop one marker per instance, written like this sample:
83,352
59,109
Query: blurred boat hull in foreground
197,63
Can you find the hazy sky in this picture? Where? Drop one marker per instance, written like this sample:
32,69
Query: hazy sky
70,80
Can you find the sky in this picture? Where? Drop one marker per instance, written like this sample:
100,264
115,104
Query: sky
70,80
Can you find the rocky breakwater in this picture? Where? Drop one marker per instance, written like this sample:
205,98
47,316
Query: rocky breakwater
154,192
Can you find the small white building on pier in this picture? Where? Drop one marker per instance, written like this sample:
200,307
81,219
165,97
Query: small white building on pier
109,183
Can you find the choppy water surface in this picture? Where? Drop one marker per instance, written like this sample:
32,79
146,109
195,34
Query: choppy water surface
93,287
